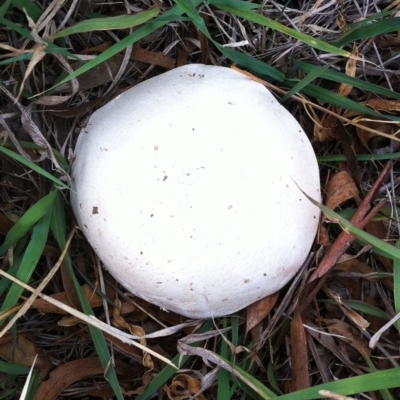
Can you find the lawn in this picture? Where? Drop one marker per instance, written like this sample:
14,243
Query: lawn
69,330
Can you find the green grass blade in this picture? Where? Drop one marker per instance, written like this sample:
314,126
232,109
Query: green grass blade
362,307
167,372
316,73
239,58
240,5
28,220
370,30
189,8
396,284
359,157
387,379
391,251
245,61
13,60
269,23
58,228
223,392
32,166
3,9
143,31
13,369
30,259
29,6
349,80
249,380
51,47
108,23
384,392
272,378
30,145
330,97
5,283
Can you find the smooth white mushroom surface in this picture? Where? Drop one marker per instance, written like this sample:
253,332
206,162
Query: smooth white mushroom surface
188,188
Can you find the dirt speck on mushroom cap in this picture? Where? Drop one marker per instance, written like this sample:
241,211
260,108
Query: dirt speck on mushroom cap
198,192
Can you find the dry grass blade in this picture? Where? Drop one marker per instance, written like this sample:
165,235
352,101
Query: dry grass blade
308,103
40,288
84,53
91,320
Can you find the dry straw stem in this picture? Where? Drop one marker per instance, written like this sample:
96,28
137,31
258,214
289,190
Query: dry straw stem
42,285
306,102
333,396
92,320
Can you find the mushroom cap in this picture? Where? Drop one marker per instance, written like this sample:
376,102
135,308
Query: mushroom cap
189,187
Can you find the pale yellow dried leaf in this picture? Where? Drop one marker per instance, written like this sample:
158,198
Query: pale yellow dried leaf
344,88
39,51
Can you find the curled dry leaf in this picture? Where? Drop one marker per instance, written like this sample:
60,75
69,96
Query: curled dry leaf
299,354
348,334
23,352
380,127
257,311
325,129
340,188
183,386
65,375
39,51
120,322
351,314
345,89
329,343
341,21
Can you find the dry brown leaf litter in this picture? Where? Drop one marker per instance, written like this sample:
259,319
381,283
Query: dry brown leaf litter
56,120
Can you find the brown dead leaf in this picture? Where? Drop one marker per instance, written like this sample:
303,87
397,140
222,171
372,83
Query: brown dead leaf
73,371
94,300
120,322
69,287
52,100
348,146
356,266
181,56
203,41
351,314
183,386
299,354
323,237
340,21
390,106
257,311
326,129
348,334
378,126
151,57
97,76
345,89
5,224
340,188
23,352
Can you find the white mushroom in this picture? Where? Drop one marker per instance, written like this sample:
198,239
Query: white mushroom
188,188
